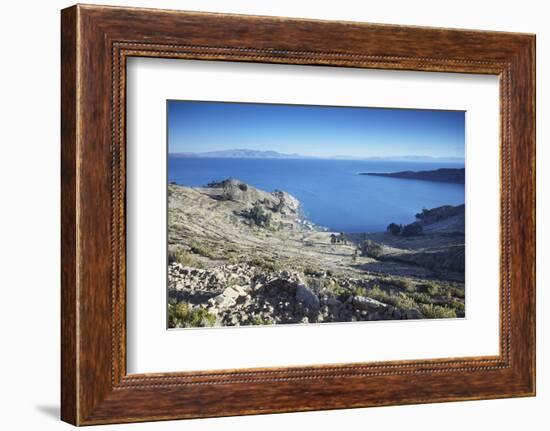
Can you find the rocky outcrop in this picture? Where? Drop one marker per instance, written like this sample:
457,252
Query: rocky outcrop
233,189
368,304
307,297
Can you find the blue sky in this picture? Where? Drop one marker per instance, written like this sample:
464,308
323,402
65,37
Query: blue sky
314,130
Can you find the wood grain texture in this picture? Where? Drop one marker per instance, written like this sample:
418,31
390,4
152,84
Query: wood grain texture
96,41
69,396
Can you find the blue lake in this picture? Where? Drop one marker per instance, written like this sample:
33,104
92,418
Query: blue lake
332,192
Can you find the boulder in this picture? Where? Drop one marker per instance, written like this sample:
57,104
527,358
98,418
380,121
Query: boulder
368,304
373,316
285,275
333,303
413,314
222,301
234,292
396,314
307,297
229,296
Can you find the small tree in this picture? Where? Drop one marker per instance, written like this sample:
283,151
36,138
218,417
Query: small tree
370,248
413,229
424,213
394,228
354,256
229,192
259,215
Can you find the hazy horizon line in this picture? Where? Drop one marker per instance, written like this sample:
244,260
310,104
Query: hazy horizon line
335,156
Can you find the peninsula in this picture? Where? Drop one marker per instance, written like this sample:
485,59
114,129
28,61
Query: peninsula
446,175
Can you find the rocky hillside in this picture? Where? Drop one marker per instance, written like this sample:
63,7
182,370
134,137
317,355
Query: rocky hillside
243,256
244,295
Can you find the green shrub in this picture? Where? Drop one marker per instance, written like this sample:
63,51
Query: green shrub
259,320
437,311
402,283
328,285
394,228
357,291
259,215
431,288
421,298
201,250
424,213
313,272
230,188
458,306
338,291
404,302
181,315
232,258
267,264
400,300
370,248
457,292
378,294
413,229
184,258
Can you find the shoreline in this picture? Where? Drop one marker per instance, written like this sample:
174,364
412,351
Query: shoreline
305,221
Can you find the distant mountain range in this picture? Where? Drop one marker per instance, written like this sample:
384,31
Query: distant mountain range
242,154
259,154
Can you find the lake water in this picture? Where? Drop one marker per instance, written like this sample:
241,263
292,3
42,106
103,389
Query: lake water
331,192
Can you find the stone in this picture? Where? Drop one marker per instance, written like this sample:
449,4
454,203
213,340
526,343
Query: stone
241,290
224,301
285,275
368,304
233,292
413,314
307,297
374,316
333,303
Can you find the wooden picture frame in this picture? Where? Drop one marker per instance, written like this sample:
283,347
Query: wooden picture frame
95,43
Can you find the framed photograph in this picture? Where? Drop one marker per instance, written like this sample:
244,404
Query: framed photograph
266,215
